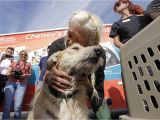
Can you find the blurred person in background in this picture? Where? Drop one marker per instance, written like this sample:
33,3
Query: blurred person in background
42,65
153,9
5,60
132,21
15,88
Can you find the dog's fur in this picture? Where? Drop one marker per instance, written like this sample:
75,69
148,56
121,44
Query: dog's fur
77,61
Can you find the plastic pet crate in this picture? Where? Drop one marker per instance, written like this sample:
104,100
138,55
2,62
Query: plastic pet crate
140,59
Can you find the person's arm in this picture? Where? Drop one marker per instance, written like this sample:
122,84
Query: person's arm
30,71
115,34
99,83
117,42
100,107
2,57
57,79
40,66
10,72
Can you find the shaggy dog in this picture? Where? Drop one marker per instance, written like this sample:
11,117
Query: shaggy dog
78,62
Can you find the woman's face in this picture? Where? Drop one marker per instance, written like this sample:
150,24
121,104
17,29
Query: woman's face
120,6
23,56
75,35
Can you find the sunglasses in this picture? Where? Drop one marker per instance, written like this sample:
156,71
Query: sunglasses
23,54
117,4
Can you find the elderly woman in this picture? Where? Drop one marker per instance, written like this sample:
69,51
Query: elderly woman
84,28
15,88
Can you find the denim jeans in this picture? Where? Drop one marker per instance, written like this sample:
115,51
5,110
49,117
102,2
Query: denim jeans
14,91
3,80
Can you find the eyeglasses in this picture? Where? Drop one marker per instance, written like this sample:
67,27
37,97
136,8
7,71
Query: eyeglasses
23,54
117,4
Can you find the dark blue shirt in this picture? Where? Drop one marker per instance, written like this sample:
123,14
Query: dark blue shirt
42,65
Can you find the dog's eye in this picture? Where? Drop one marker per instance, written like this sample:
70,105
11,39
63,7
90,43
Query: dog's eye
75,48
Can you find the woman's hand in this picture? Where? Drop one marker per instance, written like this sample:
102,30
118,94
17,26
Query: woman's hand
117,42
11,74
58,79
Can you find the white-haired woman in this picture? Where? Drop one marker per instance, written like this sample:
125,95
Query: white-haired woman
15,88
85,29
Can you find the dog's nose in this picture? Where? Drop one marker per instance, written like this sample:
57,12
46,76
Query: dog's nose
98,52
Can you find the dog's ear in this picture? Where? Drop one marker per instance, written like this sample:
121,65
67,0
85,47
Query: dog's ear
52,60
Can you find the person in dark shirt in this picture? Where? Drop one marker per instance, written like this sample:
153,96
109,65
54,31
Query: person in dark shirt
153,9
42,65
132,21
85,29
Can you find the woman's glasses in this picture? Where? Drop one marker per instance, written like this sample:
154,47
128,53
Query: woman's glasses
23,55
117,4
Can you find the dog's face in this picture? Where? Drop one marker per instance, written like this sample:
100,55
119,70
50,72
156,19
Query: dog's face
77,60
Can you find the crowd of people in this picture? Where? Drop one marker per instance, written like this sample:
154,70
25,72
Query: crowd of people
13,81
86,29
15,88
